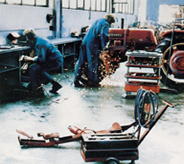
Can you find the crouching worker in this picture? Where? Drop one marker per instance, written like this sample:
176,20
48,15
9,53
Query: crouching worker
47,58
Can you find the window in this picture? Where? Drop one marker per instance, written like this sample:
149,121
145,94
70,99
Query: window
43,3
123,6
28,2
103,5
11,1
94,5
87,5
80,4
66,4
73,3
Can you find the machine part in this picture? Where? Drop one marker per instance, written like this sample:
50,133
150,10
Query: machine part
136,78
49,140
55,139
172,47
177,62
115,128
25,134
146,105
173,70
109,147
111,160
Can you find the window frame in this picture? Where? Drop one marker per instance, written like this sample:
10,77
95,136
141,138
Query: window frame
125,7
26,4
91,8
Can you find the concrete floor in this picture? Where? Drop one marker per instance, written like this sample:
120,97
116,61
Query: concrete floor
94,108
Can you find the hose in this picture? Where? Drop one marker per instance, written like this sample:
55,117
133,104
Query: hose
146,106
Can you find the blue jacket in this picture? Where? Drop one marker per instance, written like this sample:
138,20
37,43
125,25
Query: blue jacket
46,51
97,36
95,40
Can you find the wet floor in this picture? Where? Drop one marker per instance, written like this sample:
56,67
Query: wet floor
94,108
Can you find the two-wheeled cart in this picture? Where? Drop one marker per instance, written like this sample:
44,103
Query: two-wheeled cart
111,148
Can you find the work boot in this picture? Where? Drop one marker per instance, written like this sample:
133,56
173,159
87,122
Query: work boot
94,84
56,86
78,84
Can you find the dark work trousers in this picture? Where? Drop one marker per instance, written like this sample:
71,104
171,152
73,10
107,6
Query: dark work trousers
88,59
38,72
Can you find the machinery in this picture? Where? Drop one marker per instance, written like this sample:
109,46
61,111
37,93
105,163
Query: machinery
172,47
121,40
169,42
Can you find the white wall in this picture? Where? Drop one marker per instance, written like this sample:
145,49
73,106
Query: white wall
73,20
16,18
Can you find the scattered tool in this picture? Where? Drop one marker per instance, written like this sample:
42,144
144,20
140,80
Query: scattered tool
55,139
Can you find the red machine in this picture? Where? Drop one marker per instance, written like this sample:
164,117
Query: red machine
169,42
120,41
138,46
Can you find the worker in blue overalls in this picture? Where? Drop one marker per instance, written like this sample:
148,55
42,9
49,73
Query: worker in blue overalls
95,40
47,58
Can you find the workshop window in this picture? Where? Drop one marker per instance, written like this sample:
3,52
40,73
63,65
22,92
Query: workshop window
94,5
80,4
28,2
123,6
11,1
42,3
87,5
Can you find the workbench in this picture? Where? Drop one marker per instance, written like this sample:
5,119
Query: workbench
68,47
11,76
10,66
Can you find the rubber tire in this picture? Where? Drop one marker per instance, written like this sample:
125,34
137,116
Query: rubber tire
162,47
111,160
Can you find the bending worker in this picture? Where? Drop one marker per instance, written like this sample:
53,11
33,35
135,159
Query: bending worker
95,40
47,58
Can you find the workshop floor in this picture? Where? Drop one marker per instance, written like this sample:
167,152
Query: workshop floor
94,108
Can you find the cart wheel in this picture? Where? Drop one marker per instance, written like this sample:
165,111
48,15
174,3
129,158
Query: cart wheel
111,160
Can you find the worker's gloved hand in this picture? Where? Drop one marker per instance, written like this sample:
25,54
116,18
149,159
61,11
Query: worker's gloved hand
28,58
